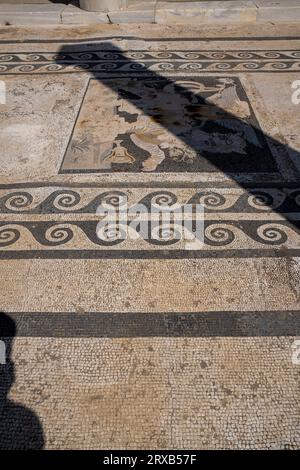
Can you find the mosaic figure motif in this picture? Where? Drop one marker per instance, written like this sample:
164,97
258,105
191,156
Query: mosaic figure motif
155,125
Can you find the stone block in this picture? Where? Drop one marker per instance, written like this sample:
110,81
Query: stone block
74,15
280,10
30,14
215,11
102,5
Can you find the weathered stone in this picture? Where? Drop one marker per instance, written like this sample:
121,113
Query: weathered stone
139,11
102,5
280,10
195,12
27,14
74,15
131,16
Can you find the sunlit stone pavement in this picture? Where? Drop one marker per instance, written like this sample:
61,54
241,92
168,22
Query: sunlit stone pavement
153,343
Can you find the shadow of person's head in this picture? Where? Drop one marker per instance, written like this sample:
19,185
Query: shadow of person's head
20,428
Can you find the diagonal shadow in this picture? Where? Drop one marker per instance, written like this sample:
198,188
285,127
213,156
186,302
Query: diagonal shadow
187,124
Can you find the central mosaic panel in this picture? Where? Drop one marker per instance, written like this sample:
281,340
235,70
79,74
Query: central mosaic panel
203,124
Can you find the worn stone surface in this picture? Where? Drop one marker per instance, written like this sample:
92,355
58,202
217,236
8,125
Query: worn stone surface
191,12
144,11
34,14
135,12
281,10
138,343
132,16
160,393
102,5
73,15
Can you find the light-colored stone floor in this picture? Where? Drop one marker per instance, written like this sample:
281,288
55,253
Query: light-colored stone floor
143,345
36,1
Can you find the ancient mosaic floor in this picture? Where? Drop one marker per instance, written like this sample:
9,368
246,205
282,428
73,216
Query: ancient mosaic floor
154,343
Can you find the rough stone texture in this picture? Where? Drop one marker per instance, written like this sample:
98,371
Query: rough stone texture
149,345
160,393
142,11
74,15
34,14
102,5
139,16
205,285
281,10
136,12
276,4
215,11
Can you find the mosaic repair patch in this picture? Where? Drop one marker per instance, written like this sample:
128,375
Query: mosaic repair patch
199,124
